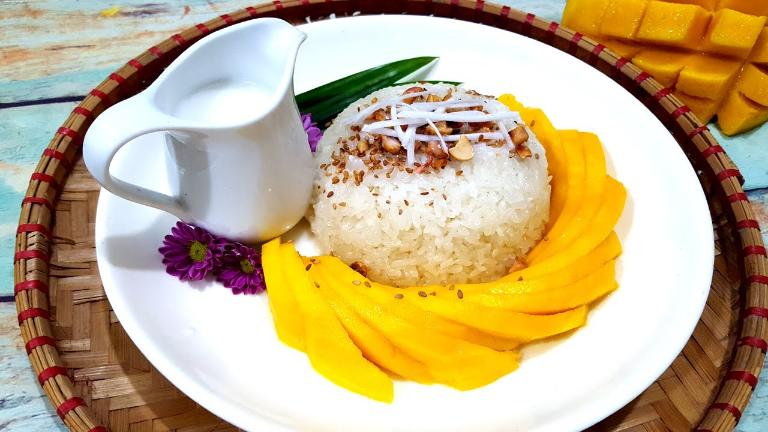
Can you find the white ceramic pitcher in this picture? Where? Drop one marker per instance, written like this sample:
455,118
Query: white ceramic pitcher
239,158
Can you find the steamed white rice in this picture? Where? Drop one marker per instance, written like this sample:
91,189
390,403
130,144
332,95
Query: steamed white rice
436,228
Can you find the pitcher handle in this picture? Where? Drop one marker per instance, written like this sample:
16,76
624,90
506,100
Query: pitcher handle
111,131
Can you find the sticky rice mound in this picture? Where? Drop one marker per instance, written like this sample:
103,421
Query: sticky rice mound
427,212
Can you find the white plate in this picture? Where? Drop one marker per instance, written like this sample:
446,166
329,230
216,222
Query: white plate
222,351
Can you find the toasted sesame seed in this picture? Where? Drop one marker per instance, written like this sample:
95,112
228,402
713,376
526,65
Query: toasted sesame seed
425,193
433,293
445,197
309,266
519,278
405,201
317,285
459,172
367,284
399,296
355,282
422,294
329,194
460,294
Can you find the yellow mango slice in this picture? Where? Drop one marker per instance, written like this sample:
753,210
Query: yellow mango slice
623,48
289,325
706,4
704,109
664,65
375,346
739,114
760,51
584,16
622,18
583,292
329,348
732,33
582,208
752,7
450,361
707,77
753,83
680,25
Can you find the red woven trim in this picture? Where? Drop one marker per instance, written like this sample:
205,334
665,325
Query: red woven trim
756,311
747,223
755,250
50,372
529,18
30,254
709,151
661,94
135,63
743,376
99,94
553,26
278,4
454,2
755,342
82,111
479,5
37,200
203,28
598,49
252,10
680,111
620,63
505,10
155,51
738,196
116,78
68,132
576,38
68,405
699,130
98,429
761,279
227,18
45,178
642,77
33,313
179,39
39,228
728,407
55,154
30,285
38,342
724,174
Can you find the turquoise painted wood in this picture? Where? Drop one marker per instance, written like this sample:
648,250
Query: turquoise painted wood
60,48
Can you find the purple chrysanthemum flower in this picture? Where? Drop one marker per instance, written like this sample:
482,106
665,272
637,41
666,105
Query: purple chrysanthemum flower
313,132
189,252
241,271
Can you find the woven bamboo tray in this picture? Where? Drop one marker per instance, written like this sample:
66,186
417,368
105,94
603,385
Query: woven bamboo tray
98,380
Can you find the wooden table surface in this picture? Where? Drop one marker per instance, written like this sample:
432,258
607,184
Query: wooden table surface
54,51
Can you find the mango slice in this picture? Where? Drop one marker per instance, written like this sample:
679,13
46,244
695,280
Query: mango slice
707,77
289,325
739,114
664,65
450,361
623,48
706,4
732,33
584,16
752,7
753,83
622,18
375,346
760,51
680,25
329,347
704,109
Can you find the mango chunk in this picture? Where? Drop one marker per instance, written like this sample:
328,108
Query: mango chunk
289,325
704,109
706,4
623,48
329,348
752,7
622,18
760,50
753,83
707,77
732,33
663,65
739,114
584,16
680,25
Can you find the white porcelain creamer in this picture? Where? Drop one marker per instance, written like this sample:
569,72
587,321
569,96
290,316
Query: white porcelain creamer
239,158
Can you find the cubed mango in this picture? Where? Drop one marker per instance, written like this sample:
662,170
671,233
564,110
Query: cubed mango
706,4
752,7
680,25
760,50
622,18
584,15
732,33
664,65
739,114
707,77
753,82
623,48
704,109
